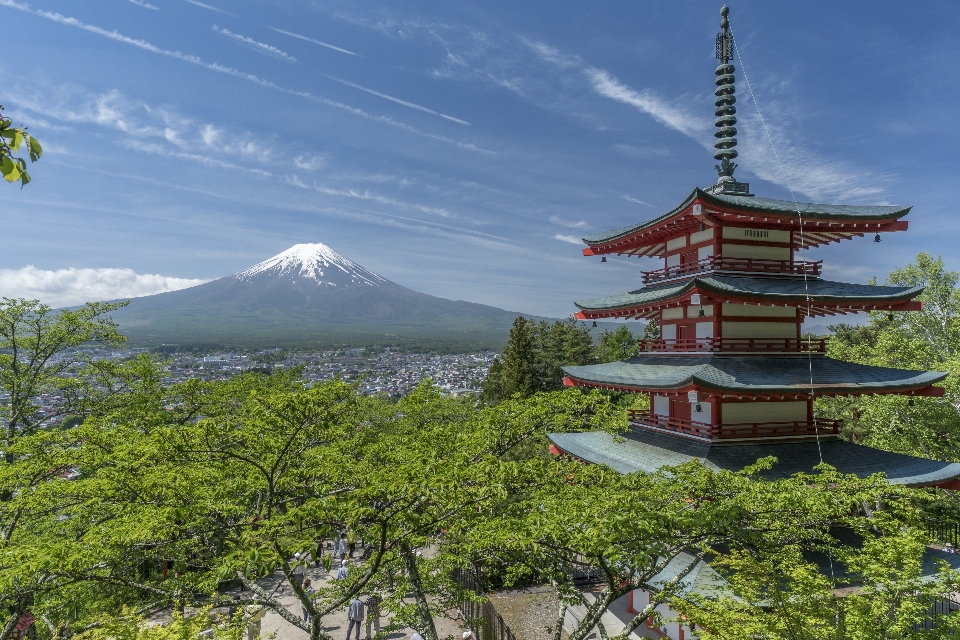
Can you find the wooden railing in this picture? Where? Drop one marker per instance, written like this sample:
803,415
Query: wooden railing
747,265
747,345
739,430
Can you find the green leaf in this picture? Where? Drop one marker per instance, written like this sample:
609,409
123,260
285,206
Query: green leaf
9,169
14,138
34,147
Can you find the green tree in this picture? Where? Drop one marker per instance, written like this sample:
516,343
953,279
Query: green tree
617,345
533,356
12,139
929,340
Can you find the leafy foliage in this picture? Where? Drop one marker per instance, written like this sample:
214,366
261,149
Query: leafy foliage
12,139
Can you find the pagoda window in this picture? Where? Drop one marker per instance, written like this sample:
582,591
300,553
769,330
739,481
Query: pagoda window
759,330
705,413
674,260
661,405
759,411
704,330
761,235
668,332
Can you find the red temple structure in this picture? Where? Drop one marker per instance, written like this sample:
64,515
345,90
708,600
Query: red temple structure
731,379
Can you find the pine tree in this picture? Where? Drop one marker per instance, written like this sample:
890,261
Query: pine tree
617,345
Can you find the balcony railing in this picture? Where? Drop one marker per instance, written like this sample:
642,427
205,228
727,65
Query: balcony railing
747,265
741,345
740,430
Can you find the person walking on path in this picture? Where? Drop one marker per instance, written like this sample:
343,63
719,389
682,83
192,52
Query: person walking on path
309,590
352,541
298,570
355,613
342,545
342,571
373,615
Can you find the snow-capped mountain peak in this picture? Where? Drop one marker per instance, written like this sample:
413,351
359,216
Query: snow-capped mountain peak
316,262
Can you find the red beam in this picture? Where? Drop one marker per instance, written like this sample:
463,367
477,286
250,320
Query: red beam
588,251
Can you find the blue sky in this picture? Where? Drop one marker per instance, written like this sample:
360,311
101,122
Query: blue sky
459,149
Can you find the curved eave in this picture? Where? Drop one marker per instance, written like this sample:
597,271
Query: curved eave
753,375
825,223
715,291
647,452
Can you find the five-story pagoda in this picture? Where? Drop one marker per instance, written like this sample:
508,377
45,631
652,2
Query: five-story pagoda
731,379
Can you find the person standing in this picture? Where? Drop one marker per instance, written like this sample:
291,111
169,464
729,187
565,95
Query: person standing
342,571
352,541
342,546
355,613
298,570
373,615
309,590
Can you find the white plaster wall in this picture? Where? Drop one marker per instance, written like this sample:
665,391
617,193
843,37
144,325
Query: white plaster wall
704,252
755,311
668,332
763,411
706,411
676,243
755,251
676,313
661,405
704,329
693,311
759,330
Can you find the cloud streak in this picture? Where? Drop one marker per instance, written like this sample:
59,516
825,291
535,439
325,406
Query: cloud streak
566,238
219,68
145,5
259,47
412,105
573,224
319,42
648,102
68,287
207,7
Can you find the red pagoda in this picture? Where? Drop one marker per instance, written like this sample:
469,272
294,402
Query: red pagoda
731,379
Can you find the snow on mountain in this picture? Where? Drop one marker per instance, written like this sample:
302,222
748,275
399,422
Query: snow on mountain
316,262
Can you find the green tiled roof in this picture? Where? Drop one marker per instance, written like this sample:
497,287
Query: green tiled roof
766,288
763,205
770,374
646,451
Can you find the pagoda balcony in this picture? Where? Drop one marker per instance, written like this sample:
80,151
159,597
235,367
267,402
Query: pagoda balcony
734,345
734,265
711,432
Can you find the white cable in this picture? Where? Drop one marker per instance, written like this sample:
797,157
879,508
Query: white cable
803,244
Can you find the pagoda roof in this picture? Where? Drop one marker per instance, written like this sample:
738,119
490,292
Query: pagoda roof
647,451
751,375
823,223
822,295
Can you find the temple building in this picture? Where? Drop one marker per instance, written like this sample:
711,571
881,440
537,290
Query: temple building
731,379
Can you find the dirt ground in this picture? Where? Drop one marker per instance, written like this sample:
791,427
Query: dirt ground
530,613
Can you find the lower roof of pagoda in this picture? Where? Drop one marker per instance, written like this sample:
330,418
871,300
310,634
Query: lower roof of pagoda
751,375
646,451
825,297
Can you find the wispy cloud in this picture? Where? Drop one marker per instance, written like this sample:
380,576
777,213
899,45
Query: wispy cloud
366,195
309,162
319,42
570,239
648,102
573,224
219,68
145,5
397,100
68,287
259,47
207,7
624,196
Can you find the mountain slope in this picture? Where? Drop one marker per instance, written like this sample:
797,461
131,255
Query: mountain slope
310,296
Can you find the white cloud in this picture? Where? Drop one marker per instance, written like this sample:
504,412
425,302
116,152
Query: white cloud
68,287
319,42
309,162
574,224
412,105
632,199
648,102
207,6
145,5
570,239
259,47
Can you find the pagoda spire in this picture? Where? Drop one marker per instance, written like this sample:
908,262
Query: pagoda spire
726,113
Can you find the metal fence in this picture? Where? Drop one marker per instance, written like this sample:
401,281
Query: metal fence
941,607
480,614
944,531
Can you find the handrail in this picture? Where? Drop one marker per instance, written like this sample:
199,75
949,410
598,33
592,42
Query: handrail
722,263
710,431
747,345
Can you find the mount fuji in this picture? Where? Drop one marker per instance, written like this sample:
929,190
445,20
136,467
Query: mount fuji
310,296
